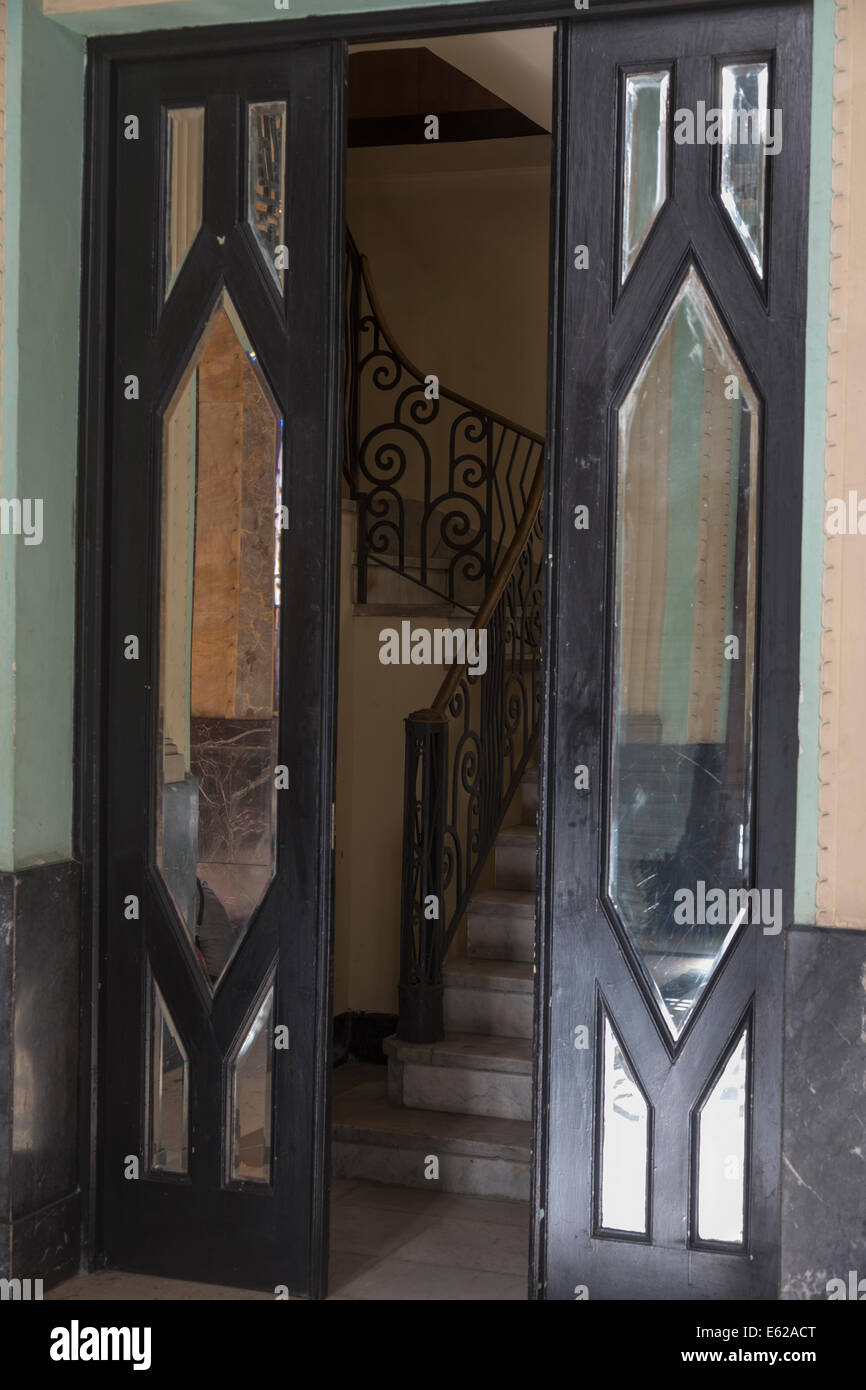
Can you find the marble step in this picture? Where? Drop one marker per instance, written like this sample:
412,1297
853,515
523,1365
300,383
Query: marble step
387,585
488,996
500,925
477,1155
515,855
425,606
529,795
465,1074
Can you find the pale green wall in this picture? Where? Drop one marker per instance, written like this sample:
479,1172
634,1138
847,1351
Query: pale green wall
43,192
135,19
44,150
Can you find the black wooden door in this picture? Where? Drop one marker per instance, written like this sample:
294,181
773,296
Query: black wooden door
224,488
669,767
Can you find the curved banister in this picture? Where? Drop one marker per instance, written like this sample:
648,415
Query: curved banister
497,588
441,481
465,758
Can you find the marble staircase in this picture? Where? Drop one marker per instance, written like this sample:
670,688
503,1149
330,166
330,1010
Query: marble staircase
467,1100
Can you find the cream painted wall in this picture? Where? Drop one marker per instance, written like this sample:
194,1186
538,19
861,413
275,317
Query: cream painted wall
842,828
456,238
374,701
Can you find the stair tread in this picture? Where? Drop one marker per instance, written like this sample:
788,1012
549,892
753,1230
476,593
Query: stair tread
443,609
480,1051
364,1115
518,835
482,972
512,902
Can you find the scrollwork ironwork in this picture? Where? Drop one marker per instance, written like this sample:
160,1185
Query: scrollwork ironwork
441,483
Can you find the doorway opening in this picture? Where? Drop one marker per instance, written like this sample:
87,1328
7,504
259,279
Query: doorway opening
447,213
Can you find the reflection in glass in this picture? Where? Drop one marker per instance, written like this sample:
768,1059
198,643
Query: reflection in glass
169,1110
645,159
252,1085
219,627
685,618
624,1143
743,165
722,1152
184,185
266,179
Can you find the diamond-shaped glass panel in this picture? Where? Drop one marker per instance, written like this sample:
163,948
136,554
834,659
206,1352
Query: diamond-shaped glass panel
251,1091
624,1142
266,183
645,159
722,1151
679,852
169,1102
184,186
219,639
743,163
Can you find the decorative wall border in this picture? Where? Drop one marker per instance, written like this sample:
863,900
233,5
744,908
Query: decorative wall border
839,903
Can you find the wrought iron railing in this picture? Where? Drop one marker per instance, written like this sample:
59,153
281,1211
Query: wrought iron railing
441,483
465,757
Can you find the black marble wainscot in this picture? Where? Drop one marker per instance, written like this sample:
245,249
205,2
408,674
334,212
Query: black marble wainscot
824,1138
39,1036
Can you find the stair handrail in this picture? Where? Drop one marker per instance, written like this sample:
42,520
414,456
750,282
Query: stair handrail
433,858
495,592
375,460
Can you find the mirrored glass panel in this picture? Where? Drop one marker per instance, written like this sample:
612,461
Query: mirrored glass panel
743,163
266,182
169,1109
624,1143
219,638
645,159
678,849
722,1152
184,185
251,1091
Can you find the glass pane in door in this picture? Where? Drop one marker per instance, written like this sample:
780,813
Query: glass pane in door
645,159
722,1151
266,179
219,635
625,1142
184,187
743,165
679,818
251,1092
169,1099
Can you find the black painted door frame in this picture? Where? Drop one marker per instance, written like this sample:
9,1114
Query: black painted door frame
599,334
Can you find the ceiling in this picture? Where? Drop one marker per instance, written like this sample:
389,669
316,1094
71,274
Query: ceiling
515,64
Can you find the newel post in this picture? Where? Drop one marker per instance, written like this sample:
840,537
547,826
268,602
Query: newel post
422,907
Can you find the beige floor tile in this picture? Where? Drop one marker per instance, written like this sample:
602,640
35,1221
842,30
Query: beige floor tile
357,1230
496,1209
403,1280
111,1285
385,1196
470,1245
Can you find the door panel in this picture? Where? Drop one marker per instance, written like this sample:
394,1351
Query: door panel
669,763
224,487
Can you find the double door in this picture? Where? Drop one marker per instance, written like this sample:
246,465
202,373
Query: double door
668,763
